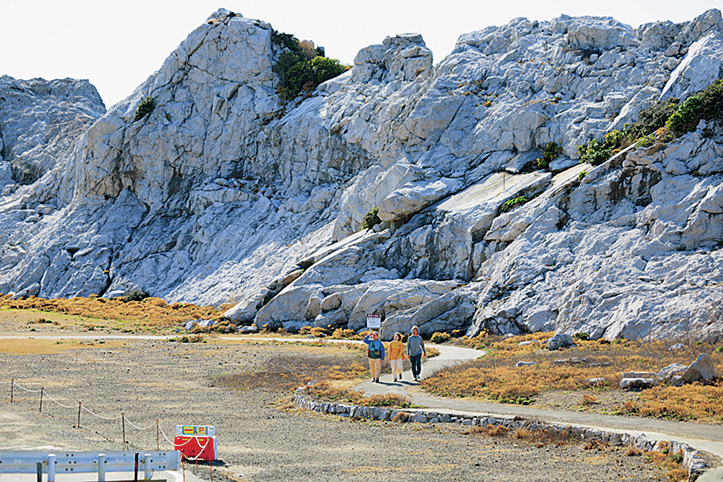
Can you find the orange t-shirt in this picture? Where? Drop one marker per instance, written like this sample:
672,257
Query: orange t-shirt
396,350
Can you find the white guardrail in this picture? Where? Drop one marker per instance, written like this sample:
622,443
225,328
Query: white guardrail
88,462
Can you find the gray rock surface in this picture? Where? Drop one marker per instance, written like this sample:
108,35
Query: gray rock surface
560,341
223,194
636,383
40,122
666,374
703,369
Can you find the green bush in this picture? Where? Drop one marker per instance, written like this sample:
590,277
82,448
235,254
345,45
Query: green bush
652,118
301,66
549,154
582,336
707,104
596,153
439,337
144,108
646,141
581,175
135,295
371,219
511,204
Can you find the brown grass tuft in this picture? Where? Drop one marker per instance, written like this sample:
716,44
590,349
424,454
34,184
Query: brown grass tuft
633,451
324,390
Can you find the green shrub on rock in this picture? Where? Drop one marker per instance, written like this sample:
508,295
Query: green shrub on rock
511,204
144,108
707,104
371,219
549,154
301,66
660,121
596,153
653,118
439,337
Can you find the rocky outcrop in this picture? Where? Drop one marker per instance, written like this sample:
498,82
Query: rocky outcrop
224,194
701,370
39,123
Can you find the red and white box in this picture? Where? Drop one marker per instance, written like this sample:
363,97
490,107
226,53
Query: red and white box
196,442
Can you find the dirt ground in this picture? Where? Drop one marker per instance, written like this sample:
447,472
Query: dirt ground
258,439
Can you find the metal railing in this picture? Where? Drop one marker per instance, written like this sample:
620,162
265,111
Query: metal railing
88,462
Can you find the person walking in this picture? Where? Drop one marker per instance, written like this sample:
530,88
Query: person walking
375,354
396,356
415,350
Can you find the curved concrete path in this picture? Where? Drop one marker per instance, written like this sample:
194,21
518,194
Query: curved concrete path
701,436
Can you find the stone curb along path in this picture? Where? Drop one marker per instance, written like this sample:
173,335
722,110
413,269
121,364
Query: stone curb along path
604,428
619,431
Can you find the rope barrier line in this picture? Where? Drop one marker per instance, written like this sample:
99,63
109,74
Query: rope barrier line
57,402
138,428
122,416
165,437
26,389
43,392
100,416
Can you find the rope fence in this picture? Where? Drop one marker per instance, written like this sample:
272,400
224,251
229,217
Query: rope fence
159,429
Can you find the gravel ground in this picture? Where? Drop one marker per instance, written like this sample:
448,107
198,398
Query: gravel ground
257,440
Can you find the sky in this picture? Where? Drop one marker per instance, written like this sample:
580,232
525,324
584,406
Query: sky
118,44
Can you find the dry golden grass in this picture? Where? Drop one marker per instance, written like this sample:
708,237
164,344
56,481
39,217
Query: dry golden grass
151,312
324,390
49,347
287,371
494,377
489,430
689,402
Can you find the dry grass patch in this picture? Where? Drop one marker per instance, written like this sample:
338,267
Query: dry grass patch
150,312
325,390
690,402
495,377
37,346
285,372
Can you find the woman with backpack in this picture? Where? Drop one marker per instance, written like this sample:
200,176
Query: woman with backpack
375,354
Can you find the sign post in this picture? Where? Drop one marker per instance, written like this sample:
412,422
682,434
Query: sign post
374,321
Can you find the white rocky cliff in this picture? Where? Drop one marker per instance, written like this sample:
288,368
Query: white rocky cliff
223,194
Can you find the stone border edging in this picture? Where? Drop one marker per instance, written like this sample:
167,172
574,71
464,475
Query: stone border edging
692,458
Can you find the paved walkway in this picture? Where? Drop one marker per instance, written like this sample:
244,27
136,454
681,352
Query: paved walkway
701,436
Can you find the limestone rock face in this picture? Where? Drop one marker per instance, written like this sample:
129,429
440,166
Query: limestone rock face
702,369
223,194
39,123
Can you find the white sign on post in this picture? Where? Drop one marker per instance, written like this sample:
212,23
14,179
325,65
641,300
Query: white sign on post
374,321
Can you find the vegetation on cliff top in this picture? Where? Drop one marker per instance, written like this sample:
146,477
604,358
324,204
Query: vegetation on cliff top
302,66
